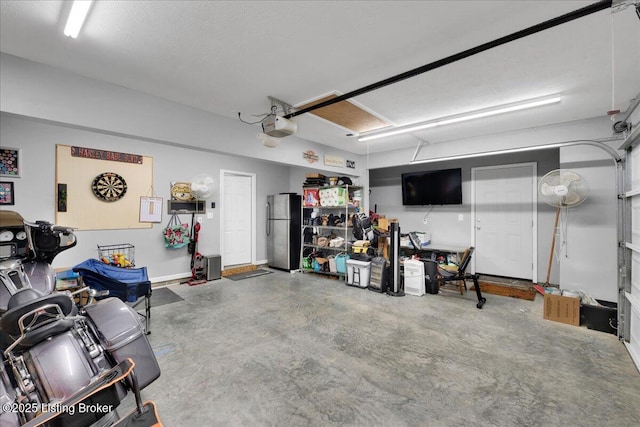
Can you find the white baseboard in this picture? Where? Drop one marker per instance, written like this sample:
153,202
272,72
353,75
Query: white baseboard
186,275
171,277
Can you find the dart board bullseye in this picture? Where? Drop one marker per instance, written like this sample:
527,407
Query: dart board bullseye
109,186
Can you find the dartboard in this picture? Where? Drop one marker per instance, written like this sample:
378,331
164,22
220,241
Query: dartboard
109,186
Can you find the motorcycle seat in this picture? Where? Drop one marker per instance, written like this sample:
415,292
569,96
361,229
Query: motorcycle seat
43,326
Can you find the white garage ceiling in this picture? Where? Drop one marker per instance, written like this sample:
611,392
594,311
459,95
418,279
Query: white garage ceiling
230,56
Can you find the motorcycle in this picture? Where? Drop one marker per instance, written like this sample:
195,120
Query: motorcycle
64,362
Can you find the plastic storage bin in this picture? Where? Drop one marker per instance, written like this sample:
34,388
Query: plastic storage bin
603,318
414,278
358,273
341,263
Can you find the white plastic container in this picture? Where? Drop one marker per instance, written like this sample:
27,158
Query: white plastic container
358,273
414,278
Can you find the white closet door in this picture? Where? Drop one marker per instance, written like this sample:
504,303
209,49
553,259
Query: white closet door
237,227
504,220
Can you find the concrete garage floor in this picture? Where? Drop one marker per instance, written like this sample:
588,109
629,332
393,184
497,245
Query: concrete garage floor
302,350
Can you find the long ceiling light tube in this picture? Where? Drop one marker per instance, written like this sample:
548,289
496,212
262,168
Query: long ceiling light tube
579,13
77,16
594,143
501,109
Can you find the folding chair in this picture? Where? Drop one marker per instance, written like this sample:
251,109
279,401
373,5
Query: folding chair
130,285
460,276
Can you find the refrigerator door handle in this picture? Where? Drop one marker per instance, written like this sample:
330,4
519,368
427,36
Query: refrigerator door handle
268,225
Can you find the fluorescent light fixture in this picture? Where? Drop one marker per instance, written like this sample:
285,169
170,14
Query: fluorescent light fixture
501,109
599,143
77,15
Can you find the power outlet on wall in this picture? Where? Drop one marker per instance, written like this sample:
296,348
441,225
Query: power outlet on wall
425,221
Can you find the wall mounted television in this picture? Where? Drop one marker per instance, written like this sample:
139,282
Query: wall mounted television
436,187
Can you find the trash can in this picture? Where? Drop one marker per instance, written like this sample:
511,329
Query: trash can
430,276
358,273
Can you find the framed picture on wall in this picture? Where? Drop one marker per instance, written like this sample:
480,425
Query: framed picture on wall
10,162
7,196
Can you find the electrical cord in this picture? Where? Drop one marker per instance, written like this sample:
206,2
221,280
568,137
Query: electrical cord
274,111
252,123
427,214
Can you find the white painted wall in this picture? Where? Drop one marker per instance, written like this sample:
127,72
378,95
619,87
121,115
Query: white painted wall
42,106
588,247
39,91
442,221
594,226
63,107
35,190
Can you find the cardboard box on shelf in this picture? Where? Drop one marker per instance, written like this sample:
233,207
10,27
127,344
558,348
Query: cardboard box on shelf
562,309
315,175
383,223
383,246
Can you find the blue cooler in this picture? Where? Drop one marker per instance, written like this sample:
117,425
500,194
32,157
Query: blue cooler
341,263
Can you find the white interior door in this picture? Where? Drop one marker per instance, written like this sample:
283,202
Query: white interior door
238,218
504,200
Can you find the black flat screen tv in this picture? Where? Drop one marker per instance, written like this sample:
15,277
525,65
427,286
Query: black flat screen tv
437,187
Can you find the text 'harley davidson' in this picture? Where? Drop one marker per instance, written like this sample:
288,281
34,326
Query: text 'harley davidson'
64,363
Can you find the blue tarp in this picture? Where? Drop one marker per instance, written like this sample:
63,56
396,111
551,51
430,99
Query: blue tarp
127,284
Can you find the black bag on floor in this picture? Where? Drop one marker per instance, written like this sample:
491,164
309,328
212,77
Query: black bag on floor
430,276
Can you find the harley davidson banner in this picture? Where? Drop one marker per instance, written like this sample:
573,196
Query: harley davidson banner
94,153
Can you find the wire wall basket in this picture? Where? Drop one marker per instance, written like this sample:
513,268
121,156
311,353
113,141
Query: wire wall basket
120,255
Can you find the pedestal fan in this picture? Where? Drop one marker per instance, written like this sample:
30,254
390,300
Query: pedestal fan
561,189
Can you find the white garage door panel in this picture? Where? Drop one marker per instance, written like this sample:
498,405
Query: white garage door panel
635,274
633,317
635,221
634,163
632,285
634,339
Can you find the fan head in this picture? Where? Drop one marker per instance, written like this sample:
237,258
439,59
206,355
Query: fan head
563,188
202,186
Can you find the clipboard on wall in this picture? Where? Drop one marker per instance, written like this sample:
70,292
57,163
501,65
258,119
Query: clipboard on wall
150,209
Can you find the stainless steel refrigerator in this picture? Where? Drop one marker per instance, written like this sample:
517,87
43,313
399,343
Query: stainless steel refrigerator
283,231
